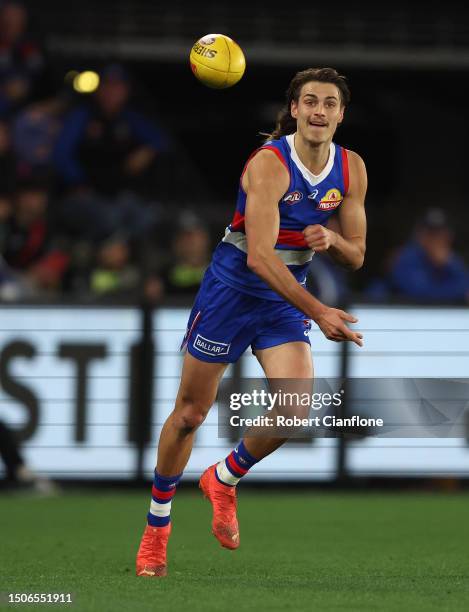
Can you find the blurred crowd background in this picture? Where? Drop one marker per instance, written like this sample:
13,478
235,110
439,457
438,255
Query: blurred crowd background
119,190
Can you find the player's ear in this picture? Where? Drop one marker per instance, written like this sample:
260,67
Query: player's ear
294,109
341,115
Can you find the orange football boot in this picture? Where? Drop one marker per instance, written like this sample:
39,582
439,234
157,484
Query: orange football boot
223,499
151,556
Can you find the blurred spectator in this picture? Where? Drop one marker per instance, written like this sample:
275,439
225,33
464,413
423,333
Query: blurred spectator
327,281
190,256
105,156
7,160
105,145
6,209
33,261
94,218
114,275
426,269
21,59
18,473
34,133
153,289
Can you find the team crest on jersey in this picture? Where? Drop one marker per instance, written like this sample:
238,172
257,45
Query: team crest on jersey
331,200
293,197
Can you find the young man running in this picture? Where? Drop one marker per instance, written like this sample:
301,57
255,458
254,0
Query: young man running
299,193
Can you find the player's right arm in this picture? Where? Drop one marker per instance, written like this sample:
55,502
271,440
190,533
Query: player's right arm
265,181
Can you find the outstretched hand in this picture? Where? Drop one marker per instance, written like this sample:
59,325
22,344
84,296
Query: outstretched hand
332,324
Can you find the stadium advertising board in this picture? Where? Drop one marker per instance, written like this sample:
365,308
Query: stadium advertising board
66,373
64,376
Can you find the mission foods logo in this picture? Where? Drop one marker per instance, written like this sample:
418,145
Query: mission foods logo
293,197
331,200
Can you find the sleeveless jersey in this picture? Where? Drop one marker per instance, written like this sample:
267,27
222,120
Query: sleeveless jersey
310,199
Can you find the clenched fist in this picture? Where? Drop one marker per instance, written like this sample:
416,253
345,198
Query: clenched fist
319,238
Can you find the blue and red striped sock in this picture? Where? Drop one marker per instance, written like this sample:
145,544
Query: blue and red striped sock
235,466
162,493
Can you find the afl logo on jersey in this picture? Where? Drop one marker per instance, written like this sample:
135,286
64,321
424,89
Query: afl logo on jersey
293,197
331,200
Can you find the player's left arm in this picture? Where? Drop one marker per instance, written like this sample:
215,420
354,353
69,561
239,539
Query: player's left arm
345,241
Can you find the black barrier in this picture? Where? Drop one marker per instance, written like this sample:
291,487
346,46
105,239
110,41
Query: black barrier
342,412
141,382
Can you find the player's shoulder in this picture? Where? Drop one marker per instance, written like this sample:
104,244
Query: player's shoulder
267,163
270,154
357,172
354,159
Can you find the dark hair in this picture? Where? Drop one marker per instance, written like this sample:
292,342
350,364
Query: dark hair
286,124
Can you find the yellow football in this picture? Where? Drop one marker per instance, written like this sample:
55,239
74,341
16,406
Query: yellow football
217,61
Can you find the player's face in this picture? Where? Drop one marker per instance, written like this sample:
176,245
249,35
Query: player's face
318,111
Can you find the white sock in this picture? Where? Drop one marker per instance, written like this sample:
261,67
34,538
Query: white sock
225,475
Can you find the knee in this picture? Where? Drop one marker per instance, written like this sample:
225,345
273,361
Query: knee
188,416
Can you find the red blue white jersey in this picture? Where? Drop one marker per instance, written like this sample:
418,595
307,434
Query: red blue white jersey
310,199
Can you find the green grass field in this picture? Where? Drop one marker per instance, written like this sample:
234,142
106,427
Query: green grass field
332,551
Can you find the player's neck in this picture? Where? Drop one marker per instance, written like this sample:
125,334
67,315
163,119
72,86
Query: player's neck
314,157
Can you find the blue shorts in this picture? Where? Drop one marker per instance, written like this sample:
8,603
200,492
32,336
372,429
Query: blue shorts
224,322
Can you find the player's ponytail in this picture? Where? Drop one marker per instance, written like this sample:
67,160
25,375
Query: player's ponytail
286,124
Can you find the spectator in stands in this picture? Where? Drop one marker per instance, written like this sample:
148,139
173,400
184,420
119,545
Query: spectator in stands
106,146
105,156
7,160
6,277
327,281
190,256
33,260
427,269
114,275
21,59
34,133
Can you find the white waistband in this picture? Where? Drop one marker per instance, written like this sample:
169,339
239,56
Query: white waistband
289,258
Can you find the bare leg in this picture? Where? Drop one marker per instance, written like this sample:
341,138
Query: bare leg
197,392
291,360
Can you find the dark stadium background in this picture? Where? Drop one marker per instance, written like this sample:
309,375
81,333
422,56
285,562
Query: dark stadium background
406,65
